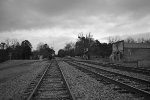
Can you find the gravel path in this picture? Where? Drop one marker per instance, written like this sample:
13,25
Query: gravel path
18,79
87,88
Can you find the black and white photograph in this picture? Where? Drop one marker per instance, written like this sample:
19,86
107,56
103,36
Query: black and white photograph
74,49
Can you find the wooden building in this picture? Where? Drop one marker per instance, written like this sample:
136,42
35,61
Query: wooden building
122,51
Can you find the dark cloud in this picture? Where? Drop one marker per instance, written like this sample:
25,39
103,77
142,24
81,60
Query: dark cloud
28,14
60,21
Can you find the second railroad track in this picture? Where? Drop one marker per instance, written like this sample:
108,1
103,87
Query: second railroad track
125,84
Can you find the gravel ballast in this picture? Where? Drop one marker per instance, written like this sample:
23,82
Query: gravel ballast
135,75
87,88
18,78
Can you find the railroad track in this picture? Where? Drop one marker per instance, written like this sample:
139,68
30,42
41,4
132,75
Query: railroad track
123,68
49,85
120,67
124,84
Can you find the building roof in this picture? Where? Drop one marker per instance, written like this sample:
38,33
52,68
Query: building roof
136,45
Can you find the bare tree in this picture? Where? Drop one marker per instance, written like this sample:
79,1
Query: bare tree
11,43
68,46
40,45
113,39
8,42
147,41
14,43
141,40
130,40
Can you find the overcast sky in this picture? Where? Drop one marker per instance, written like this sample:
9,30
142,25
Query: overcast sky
59,21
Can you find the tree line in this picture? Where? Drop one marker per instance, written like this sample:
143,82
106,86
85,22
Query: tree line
91,47
12,49
43,50
86,45
128,40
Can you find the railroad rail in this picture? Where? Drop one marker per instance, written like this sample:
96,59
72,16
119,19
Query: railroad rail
126,84
138,70
51,84
123,68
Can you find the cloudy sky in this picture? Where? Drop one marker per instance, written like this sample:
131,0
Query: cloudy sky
59,21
